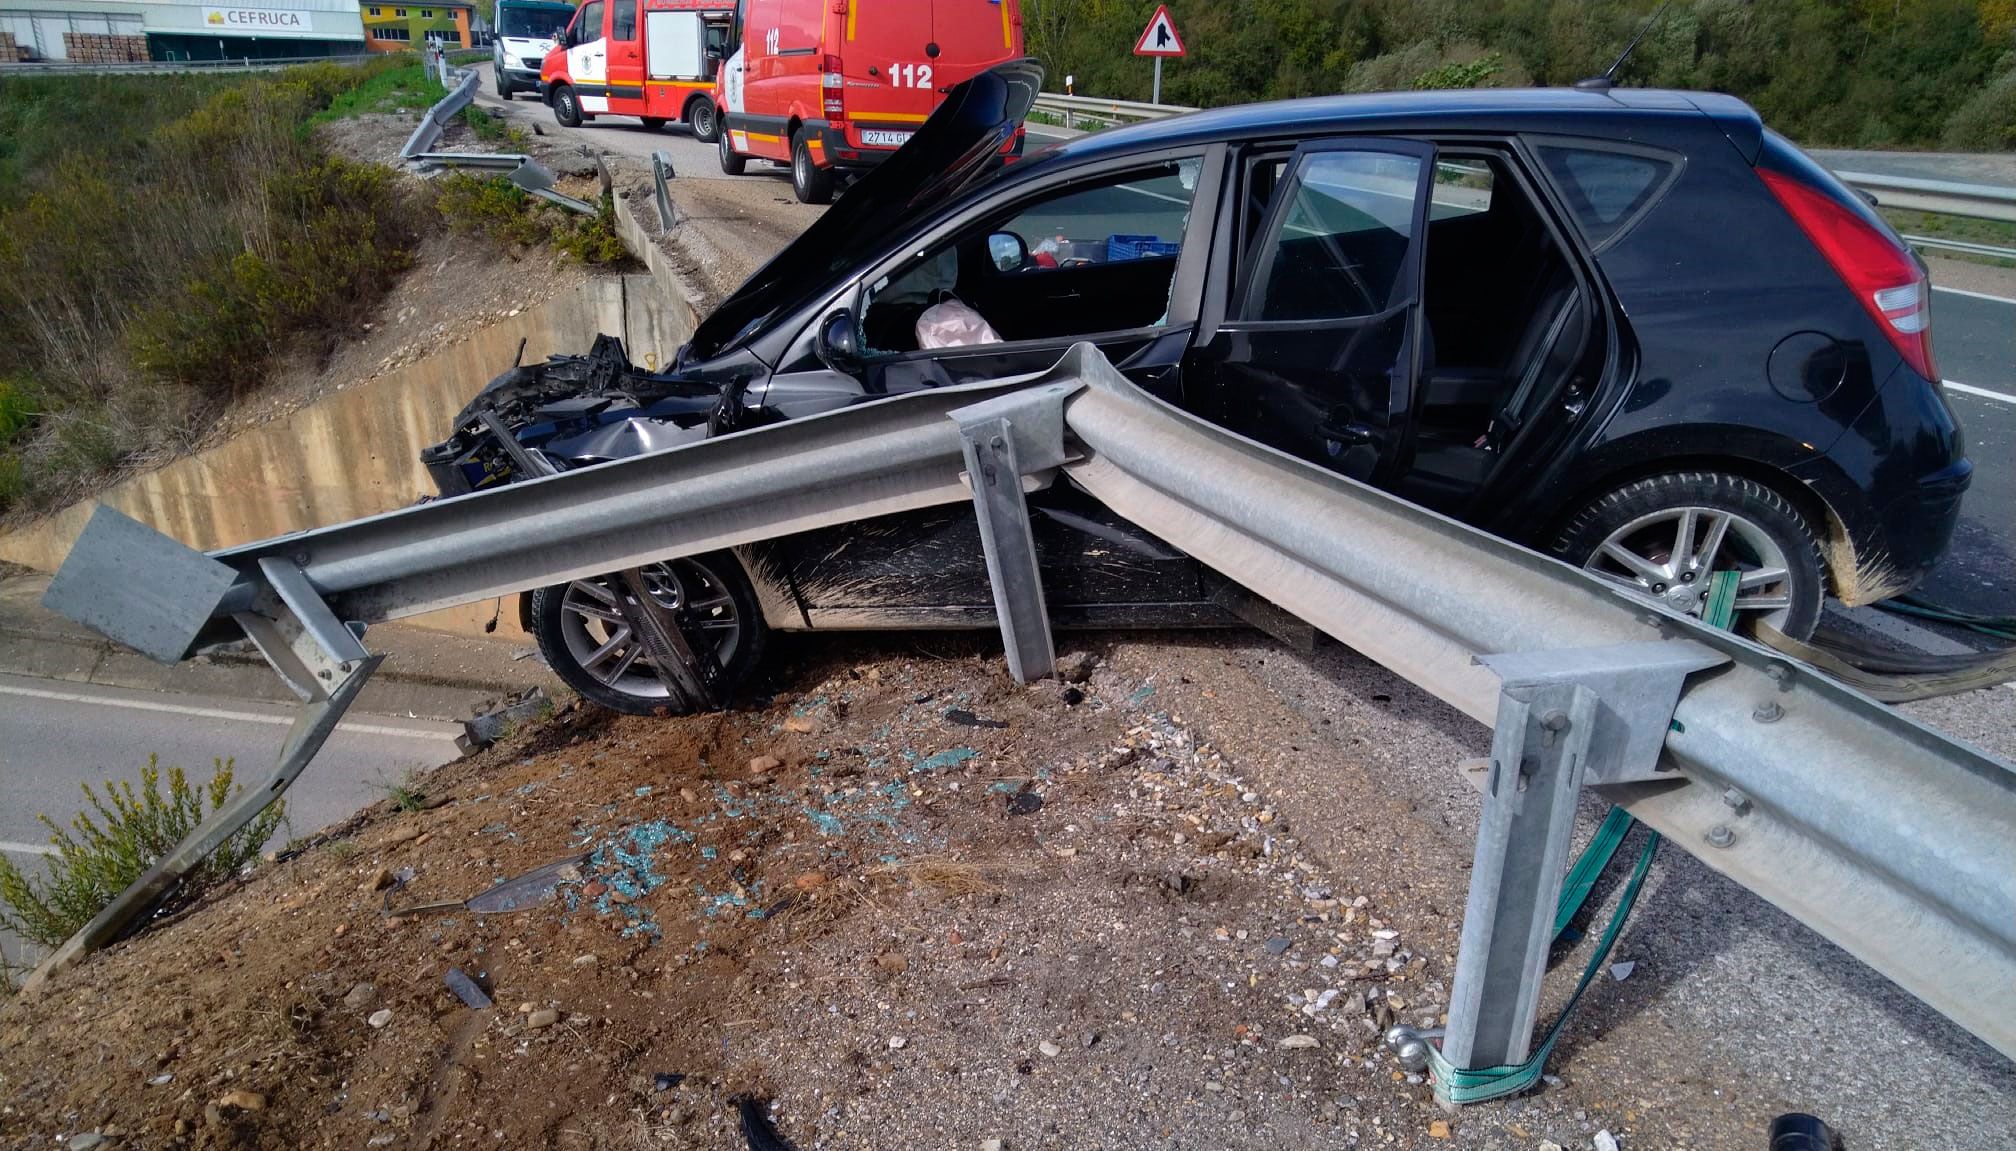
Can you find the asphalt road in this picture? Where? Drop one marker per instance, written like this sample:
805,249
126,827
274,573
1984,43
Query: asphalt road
1974,338
56,735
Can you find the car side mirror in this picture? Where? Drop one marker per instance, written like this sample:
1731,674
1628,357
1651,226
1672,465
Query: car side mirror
1008,251
837,343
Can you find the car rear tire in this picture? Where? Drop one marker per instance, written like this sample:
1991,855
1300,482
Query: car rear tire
813,184
701,119
566,107
1661,537
584,640
654,123
732,162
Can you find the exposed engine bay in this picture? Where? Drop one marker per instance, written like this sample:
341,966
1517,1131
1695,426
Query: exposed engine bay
575,410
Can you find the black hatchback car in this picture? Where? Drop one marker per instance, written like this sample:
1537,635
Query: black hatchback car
1632,328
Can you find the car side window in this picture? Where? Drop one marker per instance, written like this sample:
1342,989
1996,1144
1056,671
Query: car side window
623,20
1336,246
1606,190
588,28
1461,188
1093,257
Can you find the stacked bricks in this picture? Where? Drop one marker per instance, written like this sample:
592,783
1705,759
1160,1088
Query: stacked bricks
92,48
11,52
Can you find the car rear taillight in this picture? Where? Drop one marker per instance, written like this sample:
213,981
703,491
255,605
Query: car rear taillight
1883,274
832,88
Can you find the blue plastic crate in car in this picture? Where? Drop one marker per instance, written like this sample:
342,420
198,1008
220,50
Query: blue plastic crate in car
1127,247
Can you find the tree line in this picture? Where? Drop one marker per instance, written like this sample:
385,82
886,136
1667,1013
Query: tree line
1849,73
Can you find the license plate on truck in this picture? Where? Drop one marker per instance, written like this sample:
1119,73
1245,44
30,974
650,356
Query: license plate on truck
883,138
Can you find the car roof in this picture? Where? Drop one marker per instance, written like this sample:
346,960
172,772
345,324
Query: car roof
1620,112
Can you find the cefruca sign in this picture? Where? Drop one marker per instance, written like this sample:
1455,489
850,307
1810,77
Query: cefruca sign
258,20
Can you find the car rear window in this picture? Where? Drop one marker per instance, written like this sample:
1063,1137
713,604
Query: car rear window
1607,190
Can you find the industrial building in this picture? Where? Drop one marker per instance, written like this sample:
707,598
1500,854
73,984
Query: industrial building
110,31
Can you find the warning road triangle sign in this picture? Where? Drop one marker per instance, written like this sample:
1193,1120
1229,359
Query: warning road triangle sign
1160,37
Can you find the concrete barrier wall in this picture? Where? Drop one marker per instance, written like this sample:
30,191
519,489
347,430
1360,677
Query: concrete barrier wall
355,452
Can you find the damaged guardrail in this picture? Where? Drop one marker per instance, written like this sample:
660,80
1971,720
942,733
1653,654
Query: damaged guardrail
436,120
1879,833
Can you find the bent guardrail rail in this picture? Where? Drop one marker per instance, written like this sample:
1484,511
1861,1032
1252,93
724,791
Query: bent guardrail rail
428,133
1882,835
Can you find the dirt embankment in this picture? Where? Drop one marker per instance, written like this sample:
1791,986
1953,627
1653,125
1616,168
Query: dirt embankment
909,904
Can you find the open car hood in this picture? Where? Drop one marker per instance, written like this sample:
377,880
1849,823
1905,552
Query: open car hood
957,147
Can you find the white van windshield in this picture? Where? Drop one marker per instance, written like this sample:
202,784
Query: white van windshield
532,23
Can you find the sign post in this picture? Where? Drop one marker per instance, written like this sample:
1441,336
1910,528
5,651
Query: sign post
1160,39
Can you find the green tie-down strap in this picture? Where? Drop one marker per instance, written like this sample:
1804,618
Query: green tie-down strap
1475,1086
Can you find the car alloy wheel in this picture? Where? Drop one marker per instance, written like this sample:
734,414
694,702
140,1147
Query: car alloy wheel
1669,554
599,639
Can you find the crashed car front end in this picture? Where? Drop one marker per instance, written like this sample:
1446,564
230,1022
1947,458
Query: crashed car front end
573,410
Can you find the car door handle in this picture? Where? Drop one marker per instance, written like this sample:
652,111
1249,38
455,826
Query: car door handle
1349,434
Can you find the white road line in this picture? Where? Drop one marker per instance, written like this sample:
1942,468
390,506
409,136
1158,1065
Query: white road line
8,845
1984,393
1973,295
217,713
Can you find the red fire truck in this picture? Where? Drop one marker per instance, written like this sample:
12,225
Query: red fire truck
835,85
652,59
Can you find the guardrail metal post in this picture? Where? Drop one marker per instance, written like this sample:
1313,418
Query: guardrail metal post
1539,752
1011,550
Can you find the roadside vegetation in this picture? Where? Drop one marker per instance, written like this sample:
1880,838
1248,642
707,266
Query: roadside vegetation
503,212
127,830
408,87
162,241
1847,73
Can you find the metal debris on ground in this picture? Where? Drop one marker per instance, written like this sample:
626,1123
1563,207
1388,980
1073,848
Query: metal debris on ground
516,894
491,726
757,1128
466,989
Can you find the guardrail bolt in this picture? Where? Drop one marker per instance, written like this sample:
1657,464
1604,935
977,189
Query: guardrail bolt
1551,725
1768,712
1720,836
1779,673
1737,801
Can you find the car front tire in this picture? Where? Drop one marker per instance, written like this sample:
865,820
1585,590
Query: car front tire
584,639
1662,536
566,107
813,184
504,87
732,162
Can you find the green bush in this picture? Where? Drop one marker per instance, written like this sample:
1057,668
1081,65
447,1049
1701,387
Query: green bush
162,238
1987,121
342,234
13,481
502,211
19,406
134,827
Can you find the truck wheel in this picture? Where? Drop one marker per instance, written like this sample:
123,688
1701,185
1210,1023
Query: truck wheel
1661,537
582,635
566,108
813,184
700,118
653,123
504,87
732,162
